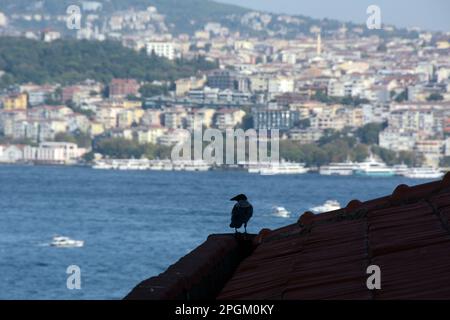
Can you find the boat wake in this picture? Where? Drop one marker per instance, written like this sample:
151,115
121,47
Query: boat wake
280,212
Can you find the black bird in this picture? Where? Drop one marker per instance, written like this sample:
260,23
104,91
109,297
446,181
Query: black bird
241,213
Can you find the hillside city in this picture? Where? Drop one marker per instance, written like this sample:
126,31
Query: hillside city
335,95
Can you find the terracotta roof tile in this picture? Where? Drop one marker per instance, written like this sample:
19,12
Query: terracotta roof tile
326,256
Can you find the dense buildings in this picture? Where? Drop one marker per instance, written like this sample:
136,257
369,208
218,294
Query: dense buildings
120,88
319,85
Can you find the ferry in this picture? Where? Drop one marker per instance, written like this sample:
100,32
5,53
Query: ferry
283,168
134,164
374,168
256,167
338,169
423,173
154,165
400,169
102,165
193,165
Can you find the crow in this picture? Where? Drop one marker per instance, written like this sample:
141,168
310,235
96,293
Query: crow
241,213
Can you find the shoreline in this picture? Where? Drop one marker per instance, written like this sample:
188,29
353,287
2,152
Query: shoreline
312,171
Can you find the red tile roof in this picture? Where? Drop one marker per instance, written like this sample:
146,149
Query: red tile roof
199,275
326,256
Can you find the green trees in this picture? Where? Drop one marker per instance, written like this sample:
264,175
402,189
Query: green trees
386,155
445,162
347,100
339,146
149,90
332,147
403,96
70,61
83,140
435,97
120,148
368,134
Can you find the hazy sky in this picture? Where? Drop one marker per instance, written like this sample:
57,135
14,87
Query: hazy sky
426,14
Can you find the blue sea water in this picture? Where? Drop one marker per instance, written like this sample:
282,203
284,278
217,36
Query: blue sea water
135,224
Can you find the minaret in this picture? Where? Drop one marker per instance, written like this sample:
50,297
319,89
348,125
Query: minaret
319,44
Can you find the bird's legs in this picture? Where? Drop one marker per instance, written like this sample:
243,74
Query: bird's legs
245,227
235,230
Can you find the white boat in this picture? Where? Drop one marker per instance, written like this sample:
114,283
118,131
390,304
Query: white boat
66,242
102,165
256,167
283,168
193,165
423,173
121,164
133,164
154,165
280,212
400,169
329,205
374,168
338,169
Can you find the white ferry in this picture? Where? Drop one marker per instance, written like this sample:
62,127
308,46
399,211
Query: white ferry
134,164
155,165
193,165
424,173
374,168
338,169
400,169
256,167
102,165
283,168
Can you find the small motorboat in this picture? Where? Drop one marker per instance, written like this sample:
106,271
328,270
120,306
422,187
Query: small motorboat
280,212
329,205
66,242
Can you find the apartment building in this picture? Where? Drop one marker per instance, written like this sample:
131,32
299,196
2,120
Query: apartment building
161,49
274,117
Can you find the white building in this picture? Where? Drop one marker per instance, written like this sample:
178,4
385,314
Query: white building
173,137
54,152
161,49
11,153
396,141
228,118
280,85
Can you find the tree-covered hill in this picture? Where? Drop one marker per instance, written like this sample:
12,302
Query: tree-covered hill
181,15
69,61
187,16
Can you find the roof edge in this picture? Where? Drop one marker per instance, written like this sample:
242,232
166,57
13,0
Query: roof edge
201,274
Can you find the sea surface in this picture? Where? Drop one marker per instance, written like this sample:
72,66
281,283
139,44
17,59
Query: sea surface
136,223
